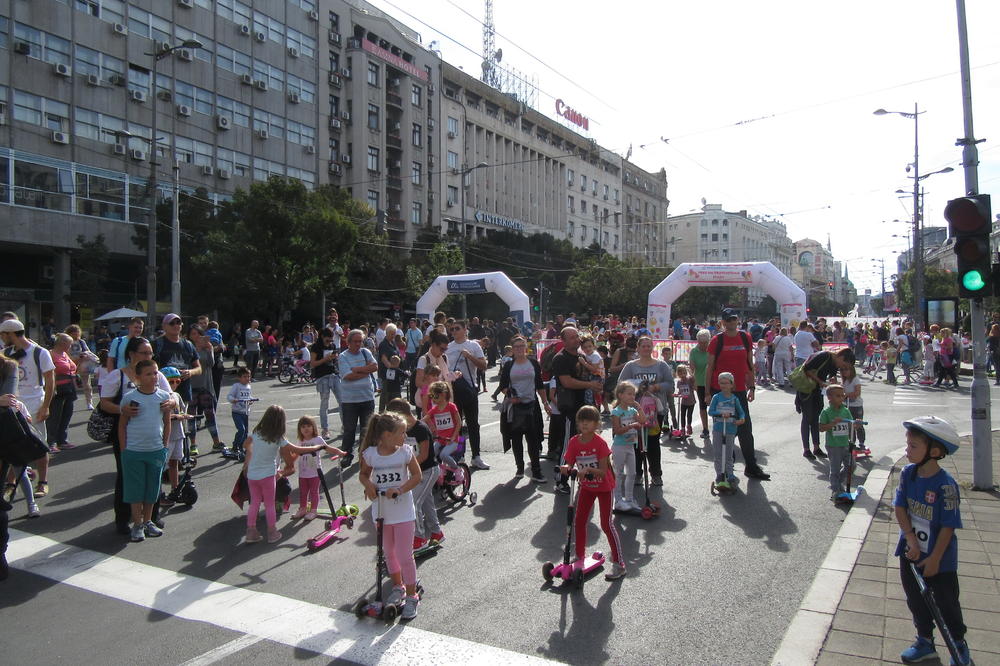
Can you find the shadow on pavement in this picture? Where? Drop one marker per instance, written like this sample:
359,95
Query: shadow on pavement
586,637
503,502
759,517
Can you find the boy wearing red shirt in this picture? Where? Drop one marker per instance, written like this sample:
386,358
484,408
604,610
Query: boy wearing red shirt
592,457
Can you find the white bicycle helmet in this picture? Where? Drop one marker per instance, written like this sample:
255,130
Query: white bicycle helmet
937,429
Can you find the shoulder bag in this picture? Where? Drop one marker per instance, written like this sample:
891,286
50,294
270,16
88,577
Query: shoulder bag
101,424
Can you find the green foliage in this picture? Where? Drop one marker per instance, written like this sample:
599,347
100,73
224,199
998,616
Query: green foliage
443,259
937,284
768,307
603,283
89,266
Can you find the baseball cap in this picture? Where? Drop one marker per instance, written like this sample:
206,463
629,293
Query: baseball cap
169,317
11,326
729,313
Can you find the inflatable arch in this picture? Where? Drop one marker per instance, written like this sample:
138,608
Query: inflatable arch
475,283
790,297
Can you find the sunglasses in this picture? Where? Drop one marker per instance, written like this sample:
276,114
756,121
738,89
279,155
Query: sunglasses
175,322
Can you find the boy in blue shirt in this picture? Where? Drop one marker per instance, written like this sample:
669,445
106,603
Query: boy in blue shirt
728,415
926,507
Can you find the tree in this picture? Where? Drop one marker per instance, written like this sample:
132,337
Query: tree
707,301
443,259
937,284
89,266
278,241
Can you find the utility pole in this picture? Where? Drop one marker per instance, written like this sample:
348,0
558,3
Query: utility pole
175,242
982,440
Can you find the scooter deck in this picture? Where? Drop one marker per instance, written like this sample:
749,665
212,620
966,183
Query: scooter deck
850,497
431,547
587,565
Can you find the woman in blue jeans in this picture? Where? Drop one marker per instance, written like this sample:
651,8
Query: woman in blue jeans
357,392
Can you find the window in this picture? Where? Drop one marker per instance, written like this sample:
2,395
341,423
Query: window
305,89
143,23
234,10
453,160
594,189
373,154
97,126
42,186
305,44
571,207
42,45
583,183
36,110
271,122
416,173
264,169
417,135
112,11
4,32
272,29
417,213
452,125
725,236
138,79
373,114
237,112
373,199
416,95
202,153
583,232
452,195
617,196
373,74
583,207
569,176
595,234
704,237
715,237
101,65
184,150
569,230
100,196
207,45
301,133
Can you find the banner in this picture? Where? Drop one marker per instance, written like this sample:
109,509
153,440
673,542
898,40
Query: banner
467,286
721,274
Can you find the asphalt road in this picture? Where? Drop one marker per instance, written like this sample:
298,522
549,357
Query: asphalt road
712,580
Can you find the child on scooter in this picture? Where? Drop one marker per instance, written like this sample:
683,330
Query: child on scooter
263,447
419,438
627,419
728,415
240,397
591,456
445,422
309,467
686,390
389,471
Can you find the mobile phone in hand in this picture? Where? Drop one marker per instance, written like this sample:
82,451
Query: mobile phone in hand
134,403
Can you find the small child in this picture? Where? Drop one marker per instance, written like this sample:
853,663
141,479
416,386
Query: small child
389,471
144,438
591,456
760,361
481,374
591,360
178,417
926,507
889,355
420,439
947,359
445,422
835,421
928,354
102,369
874,358
309,467
686,390
728,415
432,374
627,419
263,447
852,392
240,397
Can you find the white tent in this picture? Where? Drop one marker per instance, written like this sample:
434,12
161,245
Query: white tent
120,313
790,297
475,283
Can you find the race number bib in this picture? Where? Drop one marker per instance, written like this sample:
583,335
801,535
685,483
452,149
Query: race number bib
412,443
584,463
387,477
685,390
922,528
443,421
310,461
631,436
390,374
842,429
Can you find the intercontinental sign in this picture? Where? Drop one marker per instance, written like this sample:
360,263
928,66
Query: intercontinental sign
498,220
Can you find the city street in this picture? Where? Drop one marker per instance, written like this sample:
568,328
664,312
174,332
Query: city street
710,581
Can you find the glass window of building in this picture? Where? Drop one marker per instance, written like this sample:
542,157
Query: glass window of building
416,173
453,160
43,45
452,125
100,196
207,45
583,183
452,195
570,204
373,74
417,135
4,32
417,213
42,186
373,154
373,117
234,10
416,95
373,198
184,149
36,110
569,176
138,79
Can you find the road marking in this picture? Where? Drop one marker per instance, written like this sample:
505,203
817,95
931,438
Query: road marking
223,651
291,622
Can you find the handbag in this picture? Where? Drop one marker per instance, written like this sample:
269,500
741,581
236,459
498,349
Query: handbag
802,382
101,425
463,393
19,443
520,417
241,490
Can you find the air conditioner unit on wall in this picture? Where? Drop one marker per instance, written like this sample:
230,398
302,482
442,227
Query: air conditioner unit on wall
313,15
60,69
245,30
260,85
137,155
246,79
60,137
293,97
183,110
120,29
223,122
259,36
137,96
224,174
262,134
310,149
207,170
93,80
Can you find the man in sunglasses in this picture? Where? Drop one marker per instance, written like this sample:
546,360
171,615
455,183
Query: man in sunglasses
171,349
466,356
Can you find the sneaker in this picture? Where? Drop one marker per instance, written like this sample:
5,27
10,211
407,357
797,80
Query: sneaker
89,407
808,454
419,542
723,485
437,536
33,511
617,572
921,650
537,477
152,530
704,434
396,596
479,463
67,446
562,488
138,534
410,608
218,447
346,460
623,505
519,474
656,481
634,506
53,448
273,536
193,450
311,515
325,434
42,489
963,654
253,535
820,453
720,478
300,513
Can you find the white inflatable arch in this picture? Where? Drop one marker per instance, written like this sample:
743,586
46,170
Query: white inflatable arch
475,283
790,297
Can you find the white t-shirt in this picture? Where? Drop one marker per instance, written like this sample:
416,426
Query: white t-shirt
465,366
379,336
782,345
849,387
29,384
803,344
391,472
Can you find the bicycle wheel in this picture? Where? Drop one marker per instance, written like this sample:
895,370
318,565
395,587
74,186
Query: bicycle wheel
459,493
286,375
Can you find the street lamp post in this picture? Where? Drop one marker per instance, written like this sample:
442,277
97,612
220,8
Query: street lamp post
151,221
465,172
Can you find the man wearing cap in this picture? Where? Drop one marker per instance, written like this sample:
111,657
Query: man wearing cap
172,349
732,351
36,382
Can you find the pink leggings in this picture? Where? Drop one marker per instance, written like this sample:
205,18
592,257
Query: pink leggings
397,542
262,490
308,490
584,505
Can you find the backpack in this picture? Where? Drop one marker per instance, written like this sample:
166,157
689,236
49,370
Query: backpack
746,343
547,356
912,344
9,351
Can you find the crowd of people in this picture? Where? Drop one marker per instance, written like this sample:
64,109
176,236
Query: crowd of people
408,397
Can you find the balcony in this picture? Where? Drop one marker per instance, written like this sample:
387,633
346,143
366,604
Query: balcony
394,183
392,99
393,141
395,223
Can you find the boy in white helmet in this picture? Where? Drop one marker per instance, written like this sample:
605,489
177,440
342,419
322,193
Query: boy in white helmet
926,507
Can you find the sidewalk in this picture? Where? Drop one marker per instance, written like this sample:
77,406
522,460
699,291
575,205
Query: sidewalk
871,624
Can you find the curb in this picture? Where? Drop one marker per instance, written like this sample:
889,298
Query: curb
808,629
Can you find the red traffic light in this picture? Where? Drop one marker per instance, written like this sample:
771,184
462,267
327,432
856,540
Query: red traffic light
968,215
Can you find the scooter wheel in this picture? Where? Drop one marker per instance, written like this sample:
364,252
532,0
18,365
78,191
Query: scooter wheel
547,571
647,513
389,613
359,607
349,522
353,510
311,544
578,579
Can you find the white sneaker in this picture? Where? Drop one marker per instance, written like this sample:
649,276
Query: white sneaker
33,511
634,506
479,463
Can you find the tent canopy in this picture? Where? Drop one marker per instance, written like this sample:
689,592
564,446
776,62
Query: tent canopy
120,313
475,283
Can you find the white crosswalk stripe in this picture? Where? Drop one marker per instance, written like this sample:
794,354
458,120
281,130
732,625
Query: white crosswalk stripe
909,396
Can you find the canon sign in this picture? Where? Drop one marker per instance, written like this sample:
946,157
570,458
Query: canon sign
572,115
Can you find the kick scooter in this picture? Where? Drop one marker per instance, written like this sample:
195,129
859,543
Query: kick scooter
724,487
577,570
850,496
928,594
365,607
334,525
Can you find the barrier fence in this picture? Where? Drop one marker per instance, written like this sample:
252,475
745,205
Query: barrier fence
681,349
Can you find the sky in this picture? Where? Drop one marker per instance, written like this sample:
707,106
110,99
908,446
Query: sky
765,106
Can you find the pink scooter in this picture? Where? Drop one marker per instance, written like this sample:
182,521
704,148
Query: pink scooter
332,527
577,570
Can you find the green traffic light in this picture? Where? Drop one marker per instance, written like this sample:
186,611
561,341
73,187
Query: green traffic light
973,280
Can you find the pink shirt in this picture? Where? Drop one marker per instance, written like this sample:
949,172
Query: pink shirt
64,366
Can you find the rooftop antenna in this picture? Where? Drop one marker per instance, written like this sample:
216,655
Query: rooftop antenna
491,55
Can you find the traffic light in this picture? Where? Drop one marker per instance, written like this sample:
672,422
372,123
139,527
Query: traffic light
970,224
535,300
830,285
